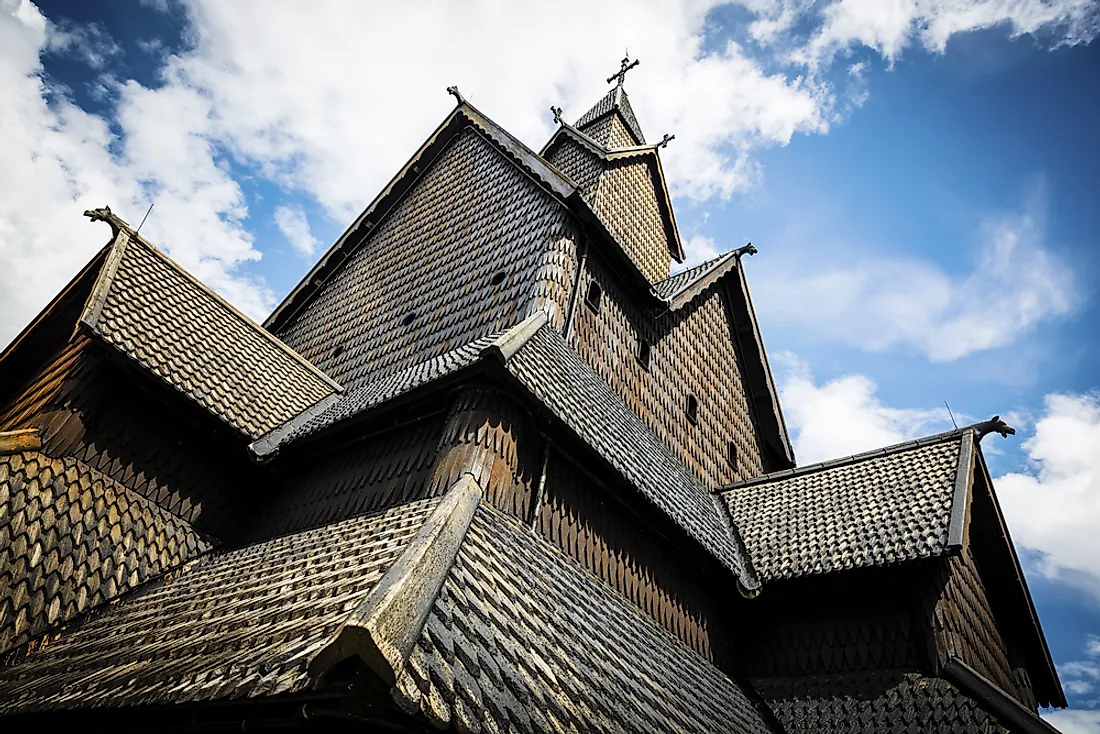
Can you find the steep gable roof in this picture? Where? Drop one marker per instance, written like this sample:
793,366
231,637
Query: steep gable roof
640,154
152,311
615,102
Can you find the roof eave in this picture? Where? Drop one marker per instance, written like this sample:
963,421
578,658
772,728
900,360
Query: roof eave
1059,697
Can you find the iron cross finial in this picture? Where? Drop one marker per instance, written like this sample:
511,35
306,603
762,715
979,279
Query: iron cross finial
624,66
557,114
666,140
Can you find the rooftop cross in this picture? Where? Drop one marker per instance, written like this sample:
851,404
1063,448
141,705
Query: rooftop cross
624,66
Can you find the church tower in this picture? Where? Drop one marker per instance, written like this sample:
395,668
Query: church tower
490,466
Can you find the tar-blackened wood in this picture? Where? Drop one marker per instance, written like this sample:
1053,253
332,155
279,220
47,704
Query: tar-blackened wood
384,468
488,435
859,620
581,517
101,412
692,353
472,215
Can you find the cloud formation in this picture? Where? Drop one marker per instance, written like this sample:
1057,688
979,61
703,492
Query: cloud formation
1016,282
1054,507
328,107
844,416
292,222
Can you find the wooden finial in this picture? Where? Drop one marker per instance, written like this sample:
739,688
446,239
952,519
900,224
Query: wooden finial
624,66
748,249
557,114
104,214
666,140
453,91
993,425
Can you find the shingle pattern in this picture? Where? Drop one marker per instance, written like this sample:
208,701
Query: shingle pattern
550,369
72,538
521,639
365,397
870,510
616,99
871,702
235,624
156,314
685,278
471,216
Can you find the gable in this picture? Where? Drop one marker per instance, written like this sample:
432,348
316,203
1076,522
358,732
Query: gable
472,215
627,201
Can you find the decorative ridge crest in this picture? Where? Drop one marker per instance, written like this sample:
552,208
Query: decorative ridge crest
384,627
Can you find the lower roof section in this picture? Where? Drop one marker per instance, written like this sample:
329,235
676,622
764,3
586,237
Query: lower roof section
504,633
873,509
874,701
522,639
233,624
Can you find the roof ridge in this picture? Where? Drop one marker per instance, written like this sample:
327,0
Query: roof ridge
845,460
505,346
133,237
384,627
20,440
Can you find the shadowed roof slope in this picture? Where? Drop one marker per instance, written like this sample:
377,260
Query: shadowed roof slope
154,312
872,509
234,624
522,639
548,367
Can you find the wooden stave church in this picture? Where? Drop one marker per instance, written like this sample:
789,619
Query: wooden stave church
489,466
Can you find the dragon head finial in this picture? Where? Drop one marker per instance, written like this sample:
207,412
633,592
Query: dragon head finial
993,425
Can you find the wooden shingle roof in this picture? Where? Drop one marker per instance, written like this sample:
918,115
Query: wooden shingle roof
152,311
475,619
873,509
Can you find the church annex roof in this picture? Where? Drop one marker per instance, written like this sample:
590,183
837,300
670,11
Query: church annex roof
155,313
517,635
872,509
548,368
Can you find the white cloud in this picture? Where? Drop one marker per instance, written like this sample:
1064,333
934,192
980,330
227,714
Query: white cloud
60,160
1054,508
697,250
292,222
891,26
1081,679
1016,283
1074,721
844,416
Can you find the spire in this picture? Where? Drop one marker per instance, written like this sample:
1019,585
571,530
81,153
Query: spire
611,121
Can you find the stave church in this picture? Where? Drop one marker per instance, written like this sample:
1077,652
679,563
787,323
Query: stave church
489,467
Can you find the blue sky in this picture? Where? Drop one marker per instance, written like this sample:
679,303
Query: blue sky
921,184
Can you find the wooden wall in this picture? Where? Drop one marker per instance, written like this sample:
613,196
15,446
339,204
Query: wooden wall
694,352
472,215
581,517
858,620
101,412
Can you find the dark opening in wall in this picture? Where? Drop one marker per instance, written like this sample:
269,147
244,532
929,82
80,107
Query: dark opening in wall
643,353
593,297
337,350
409,319
692,409
498,278
731,456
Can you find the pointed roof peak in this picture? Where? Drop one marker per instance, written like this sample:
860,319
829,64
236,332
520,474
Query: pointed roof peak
615,101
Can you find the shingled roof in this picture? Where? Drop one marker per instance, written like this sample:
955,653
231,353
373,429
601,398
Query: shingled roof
546,366
872,509
151,310
233,624
473,618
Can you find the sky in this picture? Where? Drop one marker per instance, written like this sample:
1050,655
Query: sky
919,176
